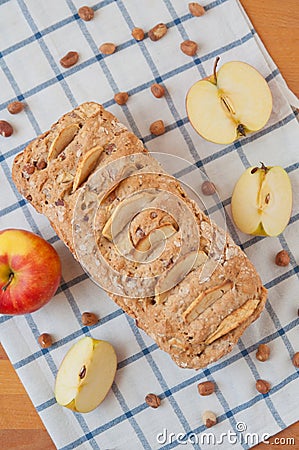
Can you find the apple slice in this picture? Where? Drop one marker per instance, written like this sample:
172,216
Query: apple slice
62,140
86,165
231,103
155,237
173,276
262,201
86,374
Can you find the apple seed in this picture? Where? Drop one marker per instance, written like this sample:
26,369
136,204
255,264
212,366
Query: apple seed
82,373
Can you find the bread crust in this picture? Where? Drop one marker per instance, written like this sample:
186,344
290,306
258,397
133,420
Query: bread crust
201,317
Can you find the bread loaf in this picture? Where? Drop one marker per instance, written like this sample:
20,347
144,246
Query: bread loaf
138,235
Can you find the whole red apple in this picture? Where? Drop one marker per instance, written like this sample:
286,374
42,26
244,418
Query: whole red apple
30,271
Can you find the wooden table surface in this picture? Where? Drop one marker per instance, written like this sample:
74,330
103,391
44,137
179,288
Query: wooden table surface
277,23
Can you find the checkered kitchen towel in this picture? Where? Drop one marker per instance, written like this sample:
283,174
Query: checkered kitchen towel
34,35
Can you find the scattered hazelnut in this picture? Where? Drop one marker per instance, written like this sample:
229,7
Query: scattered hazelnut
138,34
121,98
282,258
88,319
45,340
206,388
263,352
153,400
189,47
295,359
107,48
208,188
196,9
86,13
69,59
15,107
29,198
262,386
6,129
209,419
157,127
153,215
157,32
157,90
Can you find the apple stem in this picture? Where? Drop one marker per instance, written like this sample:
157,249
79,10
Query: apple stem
10,278
263,167
215,67
241,129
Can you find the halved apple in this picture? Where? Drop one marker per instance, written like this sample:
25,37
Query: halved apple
86,374
262,201
232,102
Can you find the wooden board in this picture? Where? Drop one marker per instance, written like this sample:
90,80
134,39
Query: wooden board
277,23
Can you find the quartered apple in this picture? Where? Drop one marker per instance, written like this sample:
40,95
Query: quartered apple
262,201
86,374
232,102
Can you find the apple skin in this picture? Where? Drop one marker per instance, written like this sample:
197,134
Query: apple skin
36,270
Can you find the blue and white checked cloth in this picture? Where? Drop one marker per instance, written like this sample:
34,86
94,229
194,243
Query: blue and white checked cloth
34,35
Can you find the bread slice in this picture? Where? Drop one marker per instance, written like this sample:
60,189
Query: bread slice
137,234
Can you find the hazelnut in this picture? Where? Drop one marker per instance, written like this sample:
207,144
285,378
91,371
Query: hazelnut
206,388
69,59
15,107
208,188
262,386
86,13
157,127
41,164
196,9
209,419
6,129
157,90
282,258
263,352
88,319
107,48
45,340
121,98
153,400
138,34
157,32
295,359
59,202
189,47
